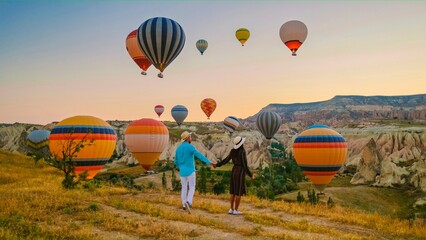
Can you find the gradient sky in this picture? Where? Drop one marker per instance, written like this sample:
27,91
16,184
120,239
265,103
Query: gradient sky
69,58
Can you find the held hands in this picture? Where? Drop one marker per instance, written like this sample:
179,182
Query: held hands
213,165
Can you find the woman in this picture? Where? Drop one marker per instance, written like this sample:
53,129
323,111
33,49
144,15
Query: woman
239,171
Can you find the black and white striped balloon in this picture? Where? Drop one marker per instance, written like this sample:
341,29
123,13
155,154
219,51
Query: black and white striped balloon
161,40
268,123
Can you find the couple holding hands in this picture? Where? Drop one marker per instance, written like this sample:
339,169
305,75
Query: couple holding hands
185,161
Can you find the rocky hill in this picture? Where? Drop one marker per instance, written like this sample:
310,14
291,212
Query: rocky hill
342,110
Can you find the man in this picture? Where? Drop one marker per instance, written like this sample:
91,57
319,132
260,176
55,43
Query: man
184,161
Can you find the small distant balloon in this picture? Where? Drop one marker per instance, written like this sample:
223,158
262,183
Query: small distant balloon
208,106
159,109
38,140
135,52
179,113
161,40
293,34
231,123
242,35
268,123
202,45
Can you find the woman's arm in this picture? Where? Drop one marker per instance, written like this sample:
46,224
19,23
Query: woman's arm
244,162
224,161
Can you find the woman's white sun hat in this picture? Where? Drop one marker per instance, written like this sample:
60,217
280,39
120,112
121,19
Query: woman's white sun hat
238,141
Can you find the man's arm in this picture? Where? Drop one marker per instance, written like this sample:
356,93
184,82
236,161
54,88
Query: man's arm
200,156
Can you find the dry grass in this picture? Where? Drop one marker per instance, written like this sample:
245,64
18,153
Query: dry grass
35,206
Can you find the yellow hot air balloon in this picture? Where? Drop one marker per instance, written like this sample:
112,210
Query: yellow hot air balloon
242,35
146,139
92,157
320,152
208,106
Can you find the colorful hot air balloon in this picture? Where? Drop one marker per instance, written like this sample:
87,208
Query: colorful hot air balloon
146,139
161,40
242,35
293,34
231,123
208,106
92,157
159,109
268,123
135,52
202,45
320,152
179,114
38,140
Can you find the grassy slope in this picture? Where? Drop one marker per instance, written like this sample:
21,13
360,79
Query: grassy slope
34,206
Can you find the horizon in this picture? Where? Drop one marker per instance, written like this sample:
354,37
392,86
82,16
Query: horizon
69,58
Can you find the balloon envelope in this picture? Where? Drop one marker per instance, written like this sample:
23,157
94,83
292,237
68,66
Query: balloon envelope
268,123
161,40
179,113
38,139
208,106
135,52
293,34
146,139
73,130
202,45
231,123
159,109
242,34
320,152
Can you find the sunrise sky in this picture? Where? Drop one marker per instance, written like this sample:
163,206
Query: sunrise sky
66,58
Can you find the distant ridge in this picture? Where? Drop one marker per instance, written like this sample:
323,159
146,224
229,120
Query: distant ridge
352,108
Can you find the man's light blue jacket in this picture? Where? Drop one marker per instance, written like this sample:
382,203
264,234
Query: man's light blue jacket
184,158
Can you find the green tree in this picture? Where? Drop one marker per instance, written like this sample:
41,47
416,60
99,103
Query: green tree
330,202
175,182
202,183
313,197
164,180
300,197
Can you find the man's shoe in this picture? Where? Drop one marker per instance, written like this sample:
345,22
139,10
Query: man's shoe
230,211
188,207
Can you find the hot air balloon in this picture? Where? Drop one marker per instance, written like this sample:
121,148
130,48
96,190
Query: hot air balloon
161,40
146,139
231,123
268,123
202,45
320,152
38,140
179,114
159,109
208,106
71,131
242,35
135,52
293,34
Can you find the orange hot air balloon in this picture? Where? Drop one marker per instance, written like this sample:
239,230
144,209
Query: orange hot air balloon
208,106
320,152
146,139
92,157
135,52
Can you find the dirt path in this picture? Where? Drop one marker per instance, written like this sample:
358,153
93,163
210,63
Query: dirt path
318,227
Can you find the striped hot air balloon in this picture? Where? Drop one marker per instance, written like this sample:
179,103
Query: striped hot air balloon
146,139
38,140
179,113
159,109
320,152
268,123
231,123
92,157
135,52
293,34
208,106
161,40
242,34
202,45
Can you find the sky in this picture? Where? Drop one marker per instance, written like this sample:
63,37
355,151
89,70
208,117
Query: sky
64,58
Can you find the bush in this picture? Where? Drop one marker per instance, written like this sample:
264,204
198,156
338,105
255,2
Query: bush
300,197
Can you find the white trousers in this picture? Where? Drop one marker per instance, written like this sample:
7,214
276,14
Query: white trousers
188,182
